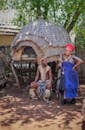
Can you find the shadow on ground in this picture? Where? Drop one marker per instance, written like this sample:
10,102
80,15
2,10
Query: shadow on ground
15,106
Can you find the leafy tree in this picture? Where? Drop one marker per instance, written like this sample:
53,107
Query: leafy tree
3,4
67,13
80,36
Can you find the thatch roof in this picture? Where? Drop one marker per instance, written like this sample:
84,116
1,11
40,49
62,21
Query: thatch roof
7,17
4,30
43,36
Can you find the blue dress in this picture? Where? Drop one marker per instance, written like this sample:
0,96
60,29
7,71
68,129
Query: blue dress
71,81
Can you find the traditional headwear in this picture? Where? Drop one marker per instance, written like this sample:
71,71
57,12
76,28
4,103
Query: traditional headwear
70,46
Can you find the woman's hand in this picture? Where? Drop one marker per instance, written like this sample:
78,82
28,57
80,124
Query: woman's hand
73,68
77,64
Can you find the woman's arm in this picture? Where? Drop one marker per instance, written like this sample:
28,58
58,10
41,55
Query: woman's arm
78,62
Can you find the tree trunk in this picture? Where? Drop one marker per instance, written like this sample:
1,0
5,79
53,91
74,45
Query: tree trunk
75,16
74,19
66,22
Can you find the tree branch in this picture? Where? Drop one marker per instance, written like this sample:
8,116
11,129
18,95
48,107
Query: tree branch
75,17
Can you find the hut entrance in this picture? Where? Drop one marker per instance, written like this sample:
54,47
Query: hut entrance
28,53
26,67
46,39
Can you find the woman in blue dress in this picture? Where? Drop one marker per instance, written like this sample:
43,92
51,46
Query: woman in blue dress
69,64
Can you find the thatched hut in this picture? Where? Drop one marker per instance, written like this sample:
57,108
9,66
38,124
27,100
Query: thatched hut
36,39
7,29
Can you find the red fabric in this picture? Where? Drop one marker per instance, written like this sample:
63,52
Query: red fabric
70,46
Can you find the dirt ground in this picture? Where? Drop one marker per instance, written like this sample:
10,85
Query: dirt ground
18,112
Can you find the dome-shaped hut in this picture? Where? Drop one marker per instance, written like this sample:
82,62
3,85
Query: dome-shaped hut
37,39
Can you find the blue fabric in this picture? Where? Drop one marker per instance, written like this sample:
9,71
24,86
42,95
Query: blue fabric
71,80
41,88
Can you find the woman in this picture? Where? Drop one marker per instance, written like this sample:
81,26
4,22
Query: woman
69,64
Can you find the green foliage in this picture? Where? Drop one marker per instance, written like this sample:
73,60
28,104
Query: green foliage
80,35
68,13
3,4
65,12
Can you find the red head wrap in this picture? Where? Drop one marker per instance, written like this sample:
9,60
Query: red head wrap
70,46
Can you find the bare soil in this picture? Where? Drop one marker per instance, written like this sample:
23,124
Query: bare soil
18,112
